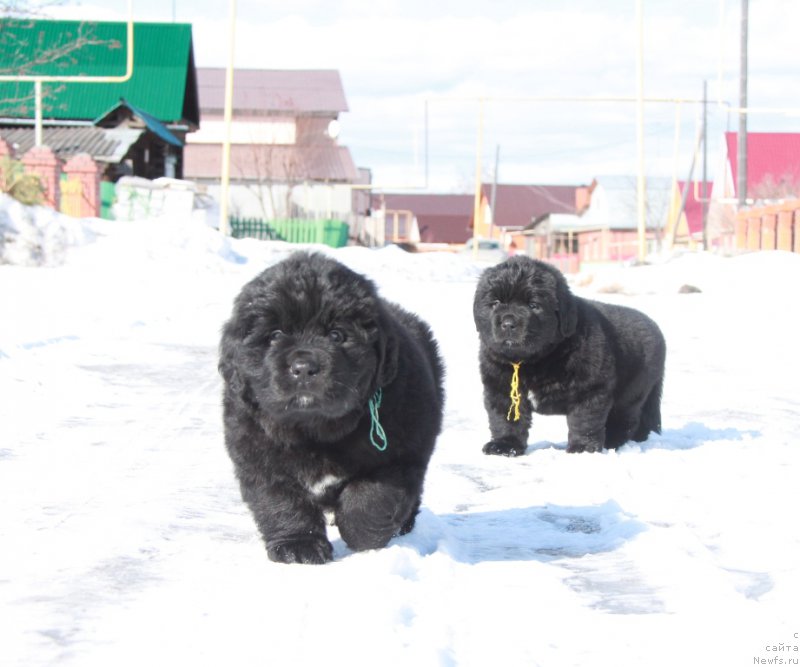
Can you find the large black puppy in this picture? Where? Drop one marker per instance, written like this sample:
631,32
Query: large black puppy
543,349
332,401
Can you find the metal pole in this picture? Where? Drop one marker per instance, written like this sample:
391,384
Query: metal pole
672,220
640,183
476,209
426,144
39,79
741,176
37,93
225,176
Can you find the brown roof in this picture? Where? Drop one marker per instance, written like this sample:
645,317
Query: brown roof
440,218
104,145
269,92
519,205
278,163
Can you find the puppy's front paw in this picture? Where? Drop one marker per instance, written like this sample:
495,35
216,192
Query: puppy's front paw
579,447
308,550
504,447
371,513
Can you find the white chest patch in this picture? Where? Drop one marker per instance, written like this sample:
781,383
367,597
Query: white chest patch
321,486
533,401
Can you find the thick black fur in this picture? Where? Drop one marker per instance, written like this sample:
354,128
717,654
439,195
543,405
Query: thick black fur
601,365
307,346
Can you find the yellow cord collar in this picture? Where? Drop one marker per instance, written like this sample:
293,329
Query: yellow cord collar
514,393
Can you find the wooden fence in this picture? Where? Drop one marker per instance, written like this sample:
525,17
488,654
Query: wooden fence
769,227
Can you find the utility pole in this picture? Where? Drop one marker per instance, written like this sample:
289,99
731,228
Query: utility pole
641,206
476,208
426,143
704,189
225,177
493,202
741,167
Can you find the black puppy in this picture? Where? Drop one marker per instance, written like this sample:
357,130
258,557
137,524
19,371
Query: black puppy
544,350
332,401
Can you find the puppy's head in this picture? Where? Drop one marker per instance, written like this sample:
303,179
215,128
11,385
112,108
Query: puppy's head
522,308
307,341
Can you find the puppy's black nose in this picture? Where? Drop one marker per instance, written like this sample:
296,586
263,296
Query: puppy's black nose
508,324
304,367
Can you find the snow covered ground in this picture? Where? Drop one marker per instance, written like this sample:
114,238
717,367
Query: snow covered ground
125,542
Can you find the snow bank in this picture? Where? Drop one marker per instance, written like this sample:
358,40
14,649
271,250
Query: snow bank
36,235
762,272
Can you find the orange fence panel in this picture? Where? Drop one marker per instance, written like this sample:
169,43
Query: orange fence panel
769,227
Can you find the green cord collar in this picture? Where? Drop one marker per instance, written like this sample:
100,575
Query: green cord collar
377,436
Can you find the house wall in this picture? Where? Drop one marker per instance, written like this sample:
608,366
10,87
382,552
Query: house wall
272,131
583,197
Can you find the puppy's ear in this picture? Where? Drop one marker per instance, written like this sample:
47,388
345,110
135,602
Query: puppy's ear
227,367
388,350
567,308
235,333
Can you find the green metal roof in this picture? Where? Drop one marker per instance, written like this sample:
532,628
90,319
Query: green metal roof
164,82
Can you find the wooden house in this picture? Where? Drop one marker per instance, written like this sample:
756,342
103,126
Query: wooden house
604,231
425,218
286,161
510,208
137,127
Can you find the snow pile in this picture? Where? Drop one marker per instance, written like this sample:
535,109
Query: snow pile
126,542
707,272
143,199
36,235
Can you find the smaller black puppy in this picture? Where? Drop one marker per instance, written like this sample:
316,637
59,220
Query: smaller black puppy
543,349
332,402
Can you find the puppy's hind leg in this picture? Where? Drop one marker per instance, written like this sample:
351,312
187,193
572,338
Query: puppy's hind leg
650,419
587,427
620,427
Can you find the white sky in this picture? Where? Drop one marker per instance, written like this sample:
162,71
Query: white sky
393,55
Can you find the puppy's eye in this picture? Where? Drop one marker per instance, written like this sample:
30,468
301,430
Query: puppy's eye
336,335
276,335
495,303
535,307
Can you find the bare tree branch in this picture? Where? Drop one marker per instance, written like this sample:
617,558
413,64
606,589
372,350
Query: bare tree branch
22,51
